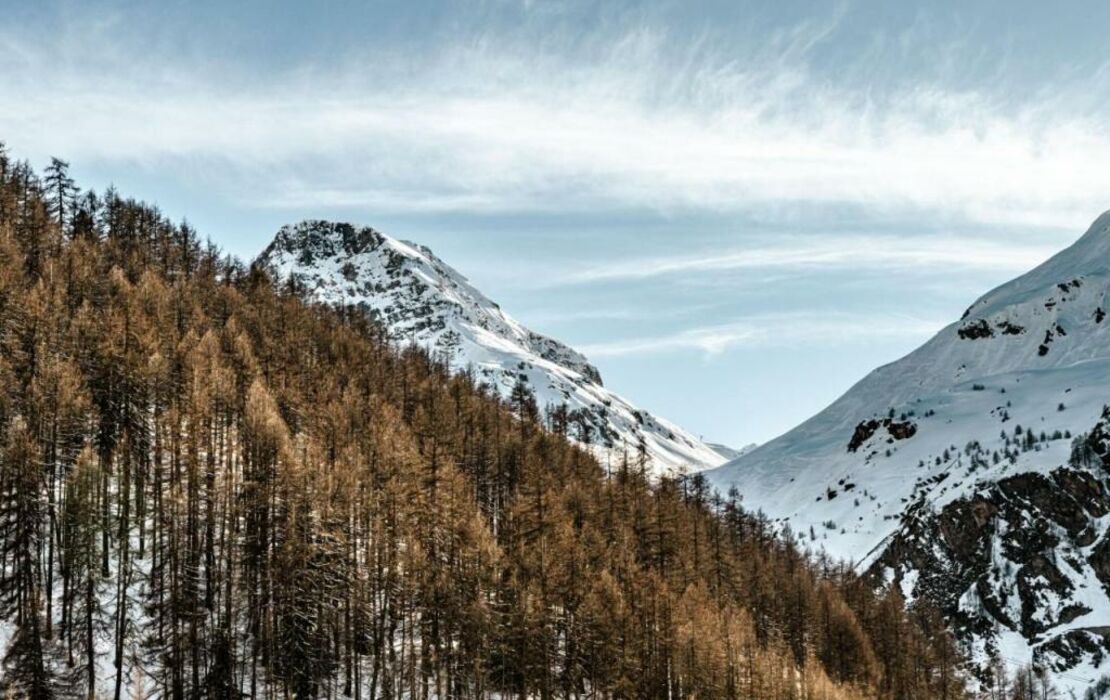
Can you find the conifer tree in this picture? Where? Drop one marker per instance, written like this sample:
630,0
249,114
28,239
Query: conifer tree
61,193
26,666
85,613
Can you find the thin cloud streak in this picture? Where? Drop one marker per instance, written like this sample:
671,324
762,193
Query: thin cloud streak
832,252
771,331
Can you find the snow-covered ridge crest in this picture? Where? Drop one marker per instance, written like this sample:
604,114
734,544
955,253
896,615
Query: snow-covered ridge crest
932,470
420,299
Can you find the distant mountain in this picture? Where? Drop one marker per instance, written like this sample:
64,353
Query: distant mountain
974,470
420,299
731,453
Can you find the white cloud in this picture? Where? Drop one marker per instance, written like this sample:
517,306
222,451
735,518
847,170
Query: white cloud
846,252
780,330
485,129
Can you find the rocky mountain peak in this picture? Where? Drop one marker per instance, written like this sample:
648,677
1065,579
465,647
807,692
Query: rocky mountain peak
313,240
420,299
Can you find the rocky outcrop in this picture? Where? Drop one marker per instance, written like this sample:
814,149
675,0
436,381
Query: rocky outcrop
1096,448
896,430
1016,554
1057,655
981,328
975,330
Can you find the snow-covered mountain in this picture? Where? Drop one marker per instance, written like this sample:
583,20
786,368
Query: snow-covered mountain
420,299
973,470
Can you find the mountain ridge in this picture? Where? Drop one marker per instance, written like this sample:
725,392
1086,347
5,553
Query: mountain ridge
970,423
419,298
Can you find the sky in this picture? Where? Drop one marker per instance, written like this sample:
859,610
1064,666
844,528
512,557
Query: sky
735,209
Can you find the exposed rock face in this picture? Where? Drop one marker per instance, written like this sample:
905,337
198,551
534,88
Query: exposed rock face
1015,557
1025,557
980,328
419,299
975,330
896,430
1097,444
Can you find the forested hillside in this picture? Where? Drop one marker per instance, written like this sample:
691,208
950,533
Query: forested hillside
210,488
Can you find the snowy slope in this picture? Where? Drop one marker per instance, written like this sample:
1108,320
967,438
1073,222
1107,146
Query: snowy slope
422,300
918,468
731,453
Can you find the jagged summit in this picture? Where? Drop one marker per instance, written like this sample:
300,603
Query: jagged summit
419,298
934,470
415,294
312,239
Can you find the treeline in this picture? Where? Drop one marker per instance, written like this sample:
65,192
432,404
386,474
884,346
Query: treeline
209,488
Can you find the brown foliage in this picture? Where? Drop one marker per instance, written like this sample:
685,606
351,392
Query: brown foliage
267,496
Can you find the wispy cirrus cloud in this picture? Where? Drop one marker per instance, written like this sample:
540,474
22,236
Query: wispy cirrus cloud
580,120
502,127
831,252
781,330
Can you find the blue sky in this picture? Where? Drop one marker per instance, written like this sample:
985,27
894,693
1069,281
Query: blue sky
735,208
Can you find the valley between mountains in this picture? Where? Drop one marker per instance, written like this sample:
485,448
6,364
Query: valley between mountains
342,470
969,473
